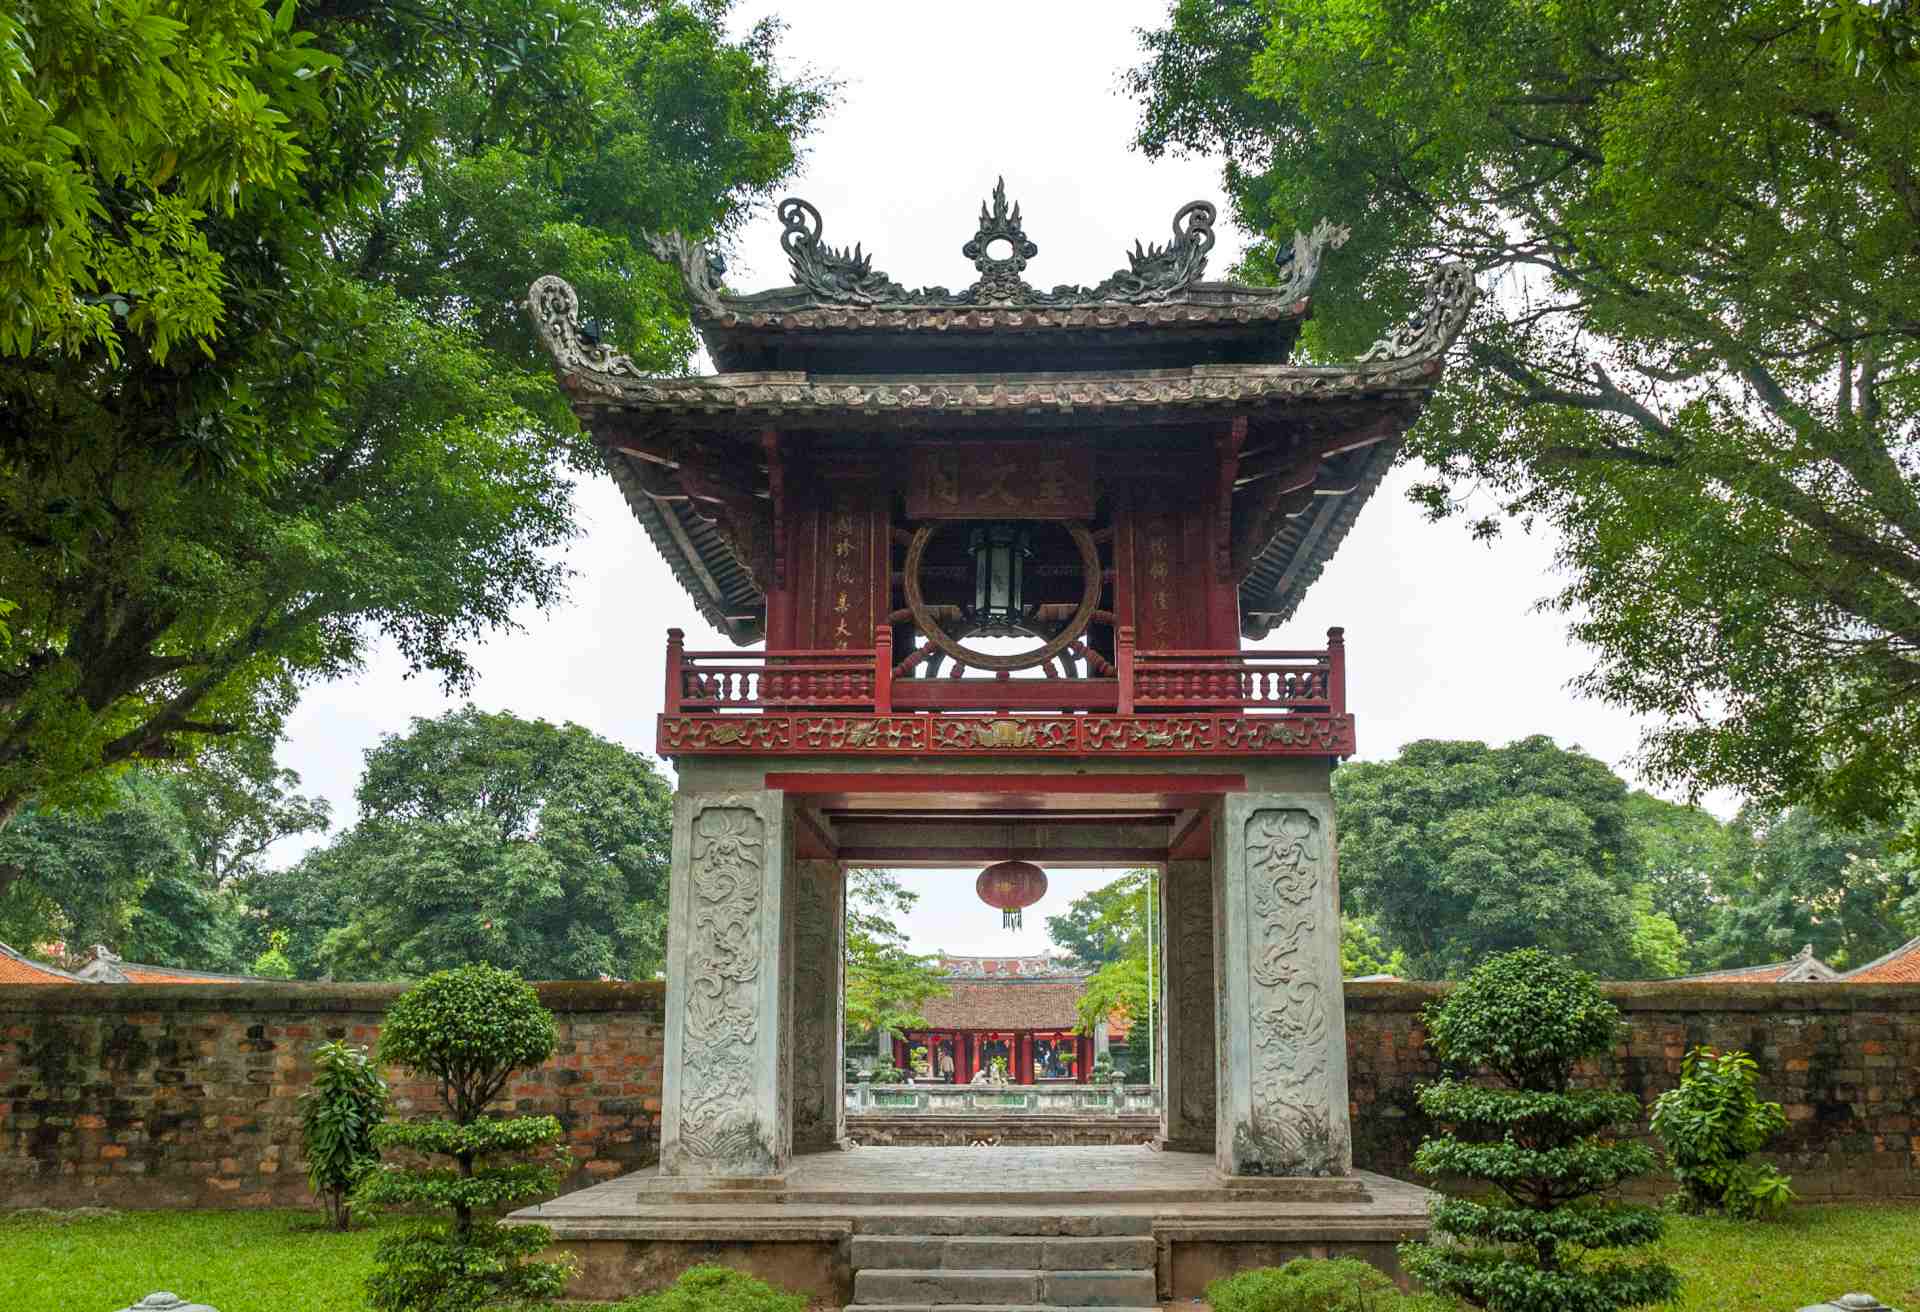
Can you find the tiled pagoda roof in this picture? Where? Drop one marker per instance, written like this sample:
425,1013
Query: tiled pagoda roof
846,347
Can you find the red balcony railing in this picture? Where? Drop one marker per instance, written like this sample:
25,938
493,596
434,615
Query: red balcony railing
1284,682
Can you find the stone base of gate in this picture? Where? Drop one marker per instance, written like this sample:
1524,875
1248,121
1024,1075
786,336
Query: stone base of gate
805,1233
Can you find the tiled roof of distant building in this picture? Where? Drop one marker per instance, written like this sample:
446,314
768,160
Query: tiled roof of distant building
1801,968
16,969
1900,966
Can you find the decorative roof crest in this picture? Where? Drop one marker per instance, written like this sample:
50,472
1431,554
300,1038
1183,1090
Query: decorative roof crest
842,276
1000,274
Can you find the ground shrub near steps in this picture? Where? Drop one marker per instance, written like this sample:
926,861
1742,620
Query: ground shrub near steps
1311,1285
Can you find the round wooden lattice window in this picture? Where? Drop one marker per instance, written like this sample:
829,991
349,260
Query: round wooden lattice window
980,660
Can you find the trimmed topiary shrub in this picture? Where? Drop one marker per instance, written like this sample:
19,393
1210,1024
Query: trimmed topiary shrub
338,1117
714,1289
1342,1284
1709,1124
469,1029
1535,1243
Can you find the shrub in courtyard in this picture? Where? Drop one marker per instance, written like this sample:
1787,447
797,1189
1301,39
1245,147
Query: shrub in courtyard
1311,1285
1709,1124
338,1116
1537,1240
469,1029
715,1289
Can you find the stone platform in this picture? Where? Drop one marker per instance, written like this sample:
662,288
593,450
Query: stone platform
883,1229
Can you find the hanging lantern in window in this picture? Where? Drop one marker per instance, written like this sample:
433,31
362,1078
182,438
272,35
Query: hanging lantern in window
1011,886
1000,553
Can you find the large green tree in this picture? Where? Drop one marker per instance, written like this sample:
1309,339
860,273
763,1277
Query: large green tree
1796,881
531,846
156,874
1700,363
887,982
1105,925
264,394
1459,851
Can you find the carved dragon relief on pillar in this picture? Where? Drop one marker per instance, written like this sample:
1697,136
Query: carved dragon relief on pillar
723,1024
1290,1130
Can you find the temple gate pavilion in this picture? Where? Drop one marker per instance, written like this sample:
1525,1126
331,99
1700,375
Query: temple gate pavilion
879,496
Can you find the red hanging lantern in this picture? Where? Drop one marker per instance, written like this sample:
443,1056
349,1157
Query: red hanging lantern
1011,885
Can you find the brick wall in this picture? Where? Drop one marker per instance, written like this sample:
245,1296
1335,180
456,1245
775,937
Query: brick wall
185,1095
1842,1059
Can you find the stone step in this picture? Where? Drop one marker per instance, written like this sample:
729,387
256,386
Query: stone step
947,1287
1020,1223
978,1252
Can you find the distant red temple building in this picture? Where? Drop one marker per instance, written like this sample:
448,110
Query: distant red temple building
1023,1010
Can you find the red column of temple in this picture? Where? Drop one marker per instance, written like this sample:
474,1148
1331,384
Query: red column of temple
1083,1069
899,1052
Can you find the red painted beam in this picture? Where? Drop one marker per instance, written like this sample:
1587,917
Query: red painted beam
1104,785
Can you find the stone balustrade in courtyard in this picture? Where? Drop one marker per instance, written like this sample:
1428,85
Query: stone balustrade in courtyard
992,1099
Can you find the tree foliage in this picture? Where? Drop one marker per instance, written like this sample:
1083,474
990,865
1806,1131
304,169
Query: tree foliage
1796,881
1458,851
266,396
485,837
1105,925
155,874
1700,363
1536,1242
887,984
469,1030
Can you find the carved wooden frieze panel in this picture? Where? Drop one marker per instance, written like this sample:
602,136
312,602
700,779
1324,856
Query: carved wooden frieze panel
1013,735
1000,480
723,1026
1288,1128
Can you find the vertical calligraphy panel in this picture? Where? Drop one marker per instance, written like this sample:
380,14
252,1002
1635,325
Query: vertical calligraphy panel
819,1102
1187,1116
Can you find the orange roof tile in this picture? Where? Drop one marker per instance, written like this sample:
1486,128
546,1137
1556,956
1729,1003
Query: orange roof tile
16,969
1900,966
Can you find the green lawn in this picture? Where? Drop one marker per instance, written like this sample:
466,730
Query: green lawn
284,1262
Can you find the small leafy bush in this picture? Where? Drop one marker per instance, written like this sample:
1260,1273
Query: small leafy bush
1709,1124
714,1289
1309,1285
1544,1149
338,1116
470,1029
889,1075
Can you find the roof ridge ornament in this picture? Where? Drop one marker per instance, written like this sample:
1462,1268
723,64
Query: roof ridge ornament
1000,275
838,275
842,276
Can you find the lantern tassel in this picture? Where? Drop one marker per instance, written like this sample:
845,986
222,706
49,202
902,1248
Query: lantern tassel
1010,919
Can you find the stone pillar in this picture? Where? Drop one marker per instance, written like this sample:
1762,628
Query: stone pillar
819,970
1280,1010
729,1044
1188,1081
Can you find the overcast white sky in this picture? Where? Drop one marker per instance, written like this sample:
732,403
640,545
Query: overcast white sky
939,100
